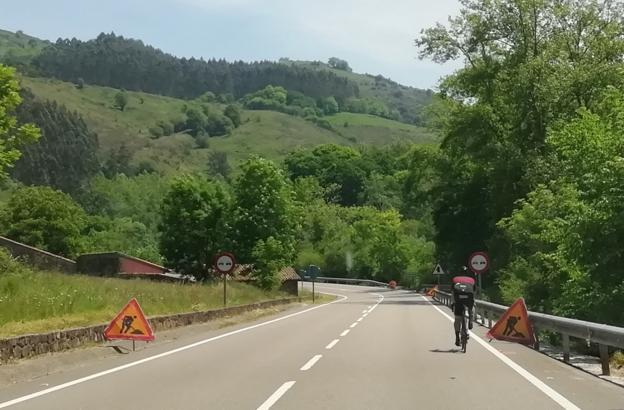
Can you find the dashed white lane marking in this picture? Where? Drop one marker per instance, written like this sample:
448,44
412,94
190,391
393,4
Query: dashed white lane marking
311,362
364,311
353,325
332,344
547,390
360,319
366,314
276,396
161,355
345,333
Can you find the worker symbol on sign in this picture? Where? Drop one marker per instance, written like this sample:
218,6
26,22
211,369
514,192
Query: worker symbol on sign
510,327
126,325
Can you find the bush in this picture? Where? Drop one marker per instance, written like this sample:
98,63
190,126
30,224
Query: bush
156,131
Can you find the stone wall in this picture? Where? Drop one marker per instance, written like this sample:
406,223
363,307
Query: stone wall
33,345
38,258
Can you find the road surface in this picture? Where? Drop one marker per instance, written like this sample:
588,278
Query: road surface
370,349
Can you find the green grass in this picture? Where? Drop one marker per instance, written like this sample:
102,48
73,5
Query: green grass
267,133
33,301
19,47
370,129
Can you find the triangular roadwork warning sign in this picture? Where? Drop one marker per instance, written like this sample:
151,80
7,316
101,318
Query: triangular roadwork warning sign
438,270
130,324
514,325
432,291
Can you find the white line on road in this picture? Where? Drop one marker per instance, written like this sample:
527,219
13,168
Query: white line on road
311,362
360,319
345,333
353,325
332,344
366,314
369,307
547,390
364,311
276,396
161,355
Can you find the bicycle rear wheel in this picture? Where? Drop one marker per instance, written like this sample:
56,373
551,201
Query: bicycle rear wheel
464,336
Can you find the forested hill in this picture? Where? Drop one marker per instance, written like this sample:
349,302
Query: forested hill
118,62
114,61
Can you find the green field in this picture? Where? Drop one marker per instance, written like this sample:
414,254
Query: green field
267,133
369,129
33,301
19,48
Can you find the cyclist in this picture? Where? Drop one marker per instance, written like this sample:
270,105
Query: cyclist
463,298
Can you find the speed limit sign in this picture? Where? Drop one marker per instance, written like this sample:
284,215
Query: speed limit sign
479,262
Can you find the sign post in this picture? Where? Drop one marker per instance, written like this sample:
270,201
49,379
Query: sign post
224,263
479,262
313,271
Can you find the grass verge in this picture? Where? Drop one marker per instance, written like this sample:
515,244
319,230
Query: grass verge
34,302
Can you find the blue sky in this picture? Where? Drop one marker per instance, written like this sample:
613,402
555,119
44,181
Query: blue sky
375,36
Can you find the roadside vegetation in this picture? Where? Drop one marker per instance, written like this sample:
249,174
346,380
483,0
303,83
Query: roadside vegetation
34,301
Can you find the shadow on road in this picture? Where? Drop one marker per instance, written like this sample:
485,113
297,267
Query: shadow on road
405,302
445,351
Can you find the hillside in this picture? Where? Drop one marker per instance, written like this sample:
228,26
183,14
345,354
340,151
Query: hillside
267,133
119,62
18,49
409,101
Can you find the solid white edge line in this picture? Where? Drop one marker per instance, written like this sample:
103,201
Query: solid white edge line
276,396
332,344
543,387
364,315
311,362
160,355
346,332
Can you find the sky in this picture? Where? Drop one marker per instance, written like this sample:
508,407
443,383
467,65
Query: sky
374,36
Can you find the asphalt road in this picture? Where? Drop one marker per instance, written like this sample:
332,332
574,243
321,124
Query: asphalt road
371,349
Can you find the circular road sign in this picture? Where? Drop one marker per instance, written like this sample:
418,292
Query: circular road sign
479,262
224,263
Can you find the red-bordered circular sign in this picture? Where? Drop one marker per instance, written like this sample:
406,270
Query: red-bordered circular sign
479,262
224,263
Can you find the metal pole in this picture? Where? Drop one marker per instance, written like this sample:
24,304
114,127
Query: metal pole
224,290
133,346
313,280
480,284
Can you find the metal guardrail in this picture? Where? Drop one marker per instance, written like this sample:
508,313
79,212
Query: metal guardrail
348,281
604,335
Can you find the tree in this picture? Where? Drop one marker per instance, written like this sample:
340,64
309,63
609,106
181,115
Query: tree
194,224
329,106
64,135
218,164
263,209
339,64
121,100
12,135
44,218
332,165
233,113
529,65
125,235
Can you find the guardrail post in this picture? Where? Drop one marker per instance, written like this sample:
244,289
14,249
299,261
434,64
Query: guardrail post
536,346
565,340
604,359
